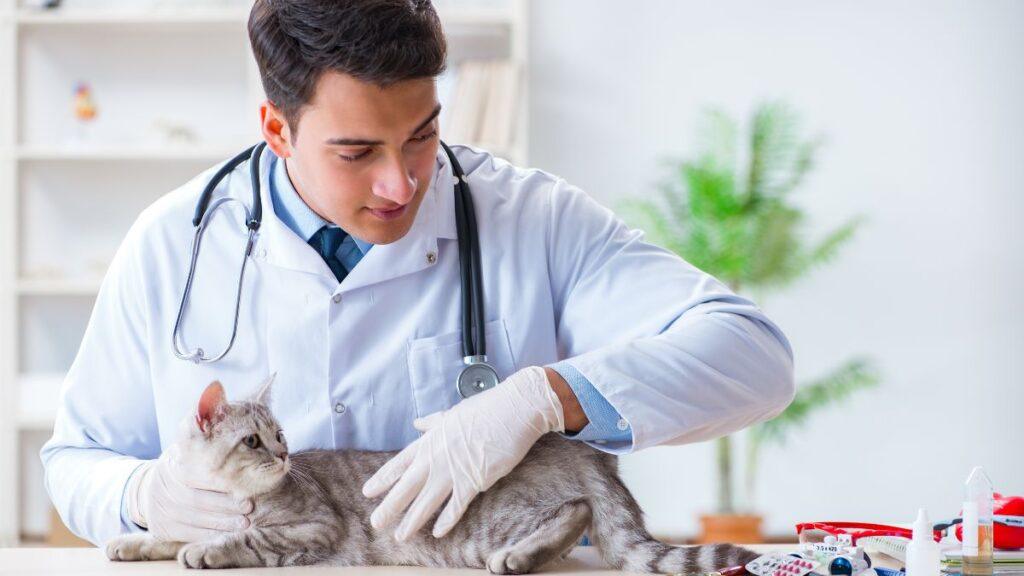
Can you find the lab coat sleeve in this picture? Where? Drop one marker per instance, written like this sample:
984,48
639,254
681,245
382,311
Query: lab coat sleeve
673,350
604,424
106,420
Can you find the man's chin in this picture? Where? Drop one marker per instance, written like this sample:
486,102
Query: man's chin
380,233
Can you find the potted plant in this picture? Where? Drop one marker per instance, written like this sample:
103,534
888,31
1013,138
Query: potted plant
730,212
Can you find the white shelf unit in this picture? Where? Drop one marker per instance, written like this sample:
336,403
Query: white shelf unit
132,57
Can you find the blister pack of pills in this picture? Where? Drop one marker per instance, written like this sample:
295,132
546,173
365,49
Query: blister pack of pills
778,564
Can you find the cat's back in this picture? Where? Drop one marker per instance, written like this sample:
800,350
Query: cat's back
560,465
350,467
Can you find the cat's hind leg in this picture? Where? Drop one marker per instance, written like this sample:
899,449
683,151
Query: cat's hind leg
140,547
556,534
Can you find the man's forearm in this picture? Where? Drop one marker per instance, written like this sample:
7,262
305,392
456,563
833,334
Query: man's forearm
575,417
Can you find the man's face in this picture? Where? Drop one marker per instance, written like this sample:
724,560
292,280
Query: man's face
363,156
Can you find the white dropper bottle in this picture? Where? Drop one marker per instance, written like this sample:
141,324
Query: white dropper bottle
922,550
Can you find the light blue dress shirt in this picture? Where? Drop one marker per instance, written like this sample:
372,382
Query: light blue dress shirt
291,209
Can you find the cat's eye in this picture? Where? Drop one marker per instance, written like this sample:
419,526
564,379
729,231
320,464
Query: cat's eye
280,436
252,441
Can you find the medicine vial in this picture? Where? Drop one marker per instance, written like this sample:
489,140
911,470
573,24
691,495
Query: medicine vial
922,551
977,525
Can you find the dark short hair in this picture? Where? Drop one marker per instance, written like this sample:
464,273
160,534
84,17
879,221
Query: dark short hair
375,41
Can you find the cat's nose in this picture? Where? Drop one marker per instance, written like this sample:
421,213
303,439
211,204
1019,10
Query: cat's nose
283,455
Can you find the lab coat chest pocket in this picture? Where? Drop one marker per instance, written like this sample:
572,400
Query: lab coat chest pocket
435,363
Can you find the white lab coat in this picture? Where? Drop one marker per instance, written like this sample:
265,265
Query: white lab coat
677,354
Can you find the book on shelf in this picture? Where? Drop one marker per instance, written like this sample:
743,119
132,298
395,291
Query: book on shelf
482,97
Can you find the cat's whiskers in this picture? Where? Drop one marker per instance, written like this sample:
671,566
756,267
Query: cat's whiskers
305,481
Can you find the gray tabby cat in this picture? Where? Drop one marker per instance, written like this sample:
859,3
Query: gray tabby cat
309,507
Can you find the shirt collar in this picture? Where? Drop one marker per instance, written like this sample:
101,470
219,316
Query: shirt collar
293,210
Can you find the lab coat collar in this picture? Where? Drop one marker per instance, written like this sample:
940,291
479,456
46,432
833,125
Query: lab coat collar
415,251
444,190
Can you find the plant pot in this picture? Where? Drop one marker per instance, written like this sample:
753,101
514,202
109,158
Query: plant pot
730,528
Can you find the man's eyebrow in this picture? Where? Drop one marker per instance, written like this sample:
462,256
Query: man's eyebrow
363,142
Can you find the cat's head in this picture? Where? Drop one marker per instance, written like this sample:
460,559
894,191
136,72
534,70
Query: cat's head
239,445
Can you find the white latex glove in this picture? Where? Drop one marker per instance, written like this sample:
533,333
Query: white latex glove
181,506
463,452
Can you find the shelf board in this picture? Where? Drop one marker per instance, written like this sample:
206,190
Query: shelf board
134,17
37,401
125,153
450,16
475,16
56,287
35,422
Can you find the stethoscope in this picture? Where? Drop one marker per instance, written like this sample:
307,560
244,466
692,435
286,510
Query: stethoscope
476,374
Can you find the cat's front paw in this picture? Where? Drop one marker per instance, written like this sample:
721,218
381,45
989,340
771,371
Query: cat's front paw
510,561
204,555
126,548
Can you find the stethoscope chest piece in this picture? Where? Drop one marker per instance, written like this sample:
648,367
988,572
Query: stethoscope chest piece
476,377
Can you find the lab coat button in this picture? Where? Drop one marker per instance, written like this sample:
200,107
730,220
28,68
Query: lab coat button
622,424
340,408
431,257
336,298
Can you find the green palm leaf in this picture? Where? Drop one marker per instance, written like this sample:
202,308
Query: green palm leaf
738,223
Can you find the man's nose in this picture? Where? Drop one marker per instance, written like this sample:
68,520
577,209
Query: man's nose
395,183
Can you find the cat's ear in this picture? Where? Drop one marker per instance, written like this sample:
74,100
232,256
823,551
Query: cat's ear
262,395
211,407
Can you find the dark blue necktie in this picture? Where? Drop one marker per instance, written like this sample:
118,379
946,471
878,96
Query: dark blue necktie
327,240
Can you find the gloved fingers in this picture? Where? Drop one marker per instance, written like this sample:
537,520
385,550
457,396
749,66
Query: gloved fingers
183,515
426,503
452,513
186,490
217,522
391,471
218,503
189,477
173,522
429,421
184,533
399,497
197,499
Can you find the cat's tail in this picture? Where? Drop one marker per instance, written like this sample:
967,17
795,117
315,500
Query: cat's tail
618,530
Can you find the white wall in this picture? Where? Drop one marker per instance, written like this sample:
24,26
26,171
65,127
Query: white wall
921,103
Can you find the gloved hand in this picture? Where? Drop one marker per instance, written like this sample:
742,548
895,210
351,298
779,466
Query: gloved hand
464,451
179,505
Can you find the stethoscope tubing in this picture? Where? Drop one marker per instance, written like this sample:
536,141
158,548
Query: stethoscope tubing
474,345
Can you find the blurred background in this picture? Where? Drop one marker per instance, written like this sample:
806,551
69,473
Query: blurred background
856,167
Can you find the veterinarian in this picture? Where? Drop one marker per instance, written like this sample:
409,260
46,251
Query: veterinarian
352,293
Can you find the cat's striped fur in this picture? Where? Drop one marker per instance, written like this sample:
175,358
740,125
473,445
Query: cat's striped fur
316,514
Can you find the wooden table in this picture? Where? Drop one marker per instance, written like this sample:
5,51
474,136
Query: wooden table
583,561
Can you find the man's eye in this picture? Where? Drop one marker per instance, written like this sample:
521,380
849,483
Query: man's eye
252,441
354,158
425,137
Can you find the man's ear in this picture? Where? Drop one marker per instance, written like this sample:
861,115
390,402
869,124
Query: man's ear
276,131
262,395
211,407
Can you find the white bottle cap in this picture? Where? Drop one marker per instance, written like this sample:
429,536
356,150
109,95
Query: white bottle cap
970,528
